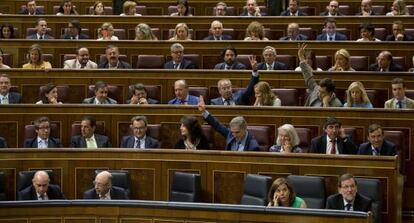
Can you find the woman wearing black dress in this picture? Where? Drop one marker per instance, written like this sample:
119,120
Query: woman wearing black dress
192,137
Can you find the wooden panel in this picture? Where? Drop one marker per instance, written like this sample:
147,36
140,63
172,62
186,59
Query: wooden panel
45,220
227,186
14,220
80,220
135,220
144,181
108,220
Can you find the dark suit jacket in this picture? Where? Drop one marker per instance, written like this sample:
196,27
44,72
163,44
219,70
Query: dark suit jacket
236,66
129,141
25,11
387,149
15,98
344,146
81,36
202,145
361,203
117,193
299,37
223,37
277,66
3,143
29,193
392,38
287,13
185,64
326,13
80,142
92,99
251,143
241,97
338,36
192,100
51,143
393,67
149,100
121,65
34,36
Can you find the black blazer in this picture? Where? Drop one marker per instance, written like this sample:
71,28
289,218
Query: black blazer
338,36
3,143
51,143
387,149
344,146
326,13
117,193
361,203
393,67
203,145
277,66
15,98
236,66
25,11
223,37
80,142
121,65
29,193
129,141
392,38
287,13
81,36
299,37
185,64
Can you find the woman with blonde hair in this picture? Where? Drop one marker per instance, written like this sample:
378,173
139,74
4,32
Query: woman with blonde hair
282,194
144,32
398,8
255,31
287,140
342,61
129,9
265,96
106,32
35,59
181,32
356,96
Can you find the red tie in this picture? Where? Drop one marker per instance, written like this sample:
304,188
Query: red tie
333,150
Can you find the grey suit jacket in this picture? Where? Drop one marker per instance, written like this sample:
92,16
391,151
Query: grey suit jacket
74,64
390,103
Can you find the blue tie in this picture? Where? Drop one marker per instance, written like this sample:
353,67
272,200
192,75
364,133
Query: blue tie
348,207
399,104
330,38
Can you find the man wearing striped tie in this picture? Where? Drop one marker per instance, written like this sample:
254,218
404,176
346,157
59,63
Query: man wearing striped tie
88,137
41,189
399,101
377,145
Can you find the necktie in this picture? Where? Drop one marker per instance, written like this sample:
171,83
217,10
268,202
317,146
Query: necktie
137,144
176,66
182,102
40,37
399,104
42,144
330,38
227,67
42,197
333,150
269,67
239,146
348,207
376,152
227,102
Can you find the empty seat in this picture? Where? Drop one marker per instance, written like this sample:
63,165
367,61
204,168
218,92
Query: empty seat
186,187
409,93
150,61
372,188
154,130
396,137
24,179
346,10
400,61
289,60
141,9
309,188
409,31
120,178
381,33
244,59
374,97
263,136
197,91
289,97
63,93
3,196
114,92
310,11
378,9
255,190
324,62
8,59
410,9
308,31
305,138
120,33
344,31
351,133
195,58
359,63
209,133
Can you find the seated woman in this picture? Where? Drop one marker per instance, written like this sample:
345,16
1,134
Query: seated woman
2,65
192,135
265,96
398,8
342,61
356,96
183,9
310,60
106,32
130,9
255,31
7,32
281,194
36,59
49,94
181,32
98,8
66,8
144,32
367,32
287,140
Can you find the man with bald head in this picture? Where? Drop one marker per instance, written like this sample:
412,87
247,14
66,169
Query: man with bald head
332,9
182,97
293,33
41,189
6,96
385,63
216,32
82,61
366,8
103,189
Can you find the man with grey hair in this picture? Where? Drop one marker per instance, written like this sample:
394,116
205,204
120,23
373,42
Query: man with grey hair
139,138
41,189
178,62
216,32
385,63
182,97
6,96
269,54
103,189
112,59
293,33
237,136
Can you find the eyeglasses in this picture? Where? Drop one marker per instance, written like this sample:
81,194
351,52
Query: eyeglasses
139,128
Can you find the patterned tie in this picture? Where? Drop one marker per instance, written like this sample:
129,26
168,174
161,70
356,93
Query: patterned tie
269,67
399,104
376,152
42,197
176,66
137,144
333,150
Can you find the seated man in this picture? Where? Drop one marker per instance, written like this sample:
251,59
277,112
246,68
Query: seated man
112,59
216,32
251,9
3,143
88,137
41,189
178,61
322,95
74,31
385,63
101,95
182,97
221,9
41,29
237,136
398,33
103,189
332,9
399,101
7,97
229,55
269,55
348,198
43,139
293,9
366,8
81,61
334,141
31,9
140,96
377,145
293,33
139,139
330,33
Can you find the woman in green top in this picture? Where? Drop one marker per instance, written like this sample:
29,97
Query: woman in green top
282,194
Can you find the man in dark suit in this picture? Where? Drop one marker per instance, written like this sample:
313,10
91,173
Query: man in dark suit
182,96
101,95
332,9
31,9
293,9
43,139
334,141
3,143
88,137
385,63
366,8
330,33
41,29
7,97
178,62
348,198
103,189
41,189
269,55
139,139
251,9
237,136
74,31
293,33
229,55
216,32
112,59
377,145
398,33
139,96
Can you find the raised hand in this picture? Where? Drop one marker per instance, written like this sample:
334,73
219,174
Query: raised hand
201,104
253,62
301,51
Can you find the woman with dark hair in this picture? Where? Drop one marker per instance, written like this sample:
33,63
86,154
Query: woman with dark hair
7,32
255,31
192,135
66,8
367,32
98,8
281,194
48,94
35,59
310,60
183,9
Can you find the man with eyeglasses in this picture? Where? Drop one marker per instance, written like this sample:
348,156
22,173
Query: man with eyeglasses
43,139
74,31
348,198
103,189
178,62
139,138
41,189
